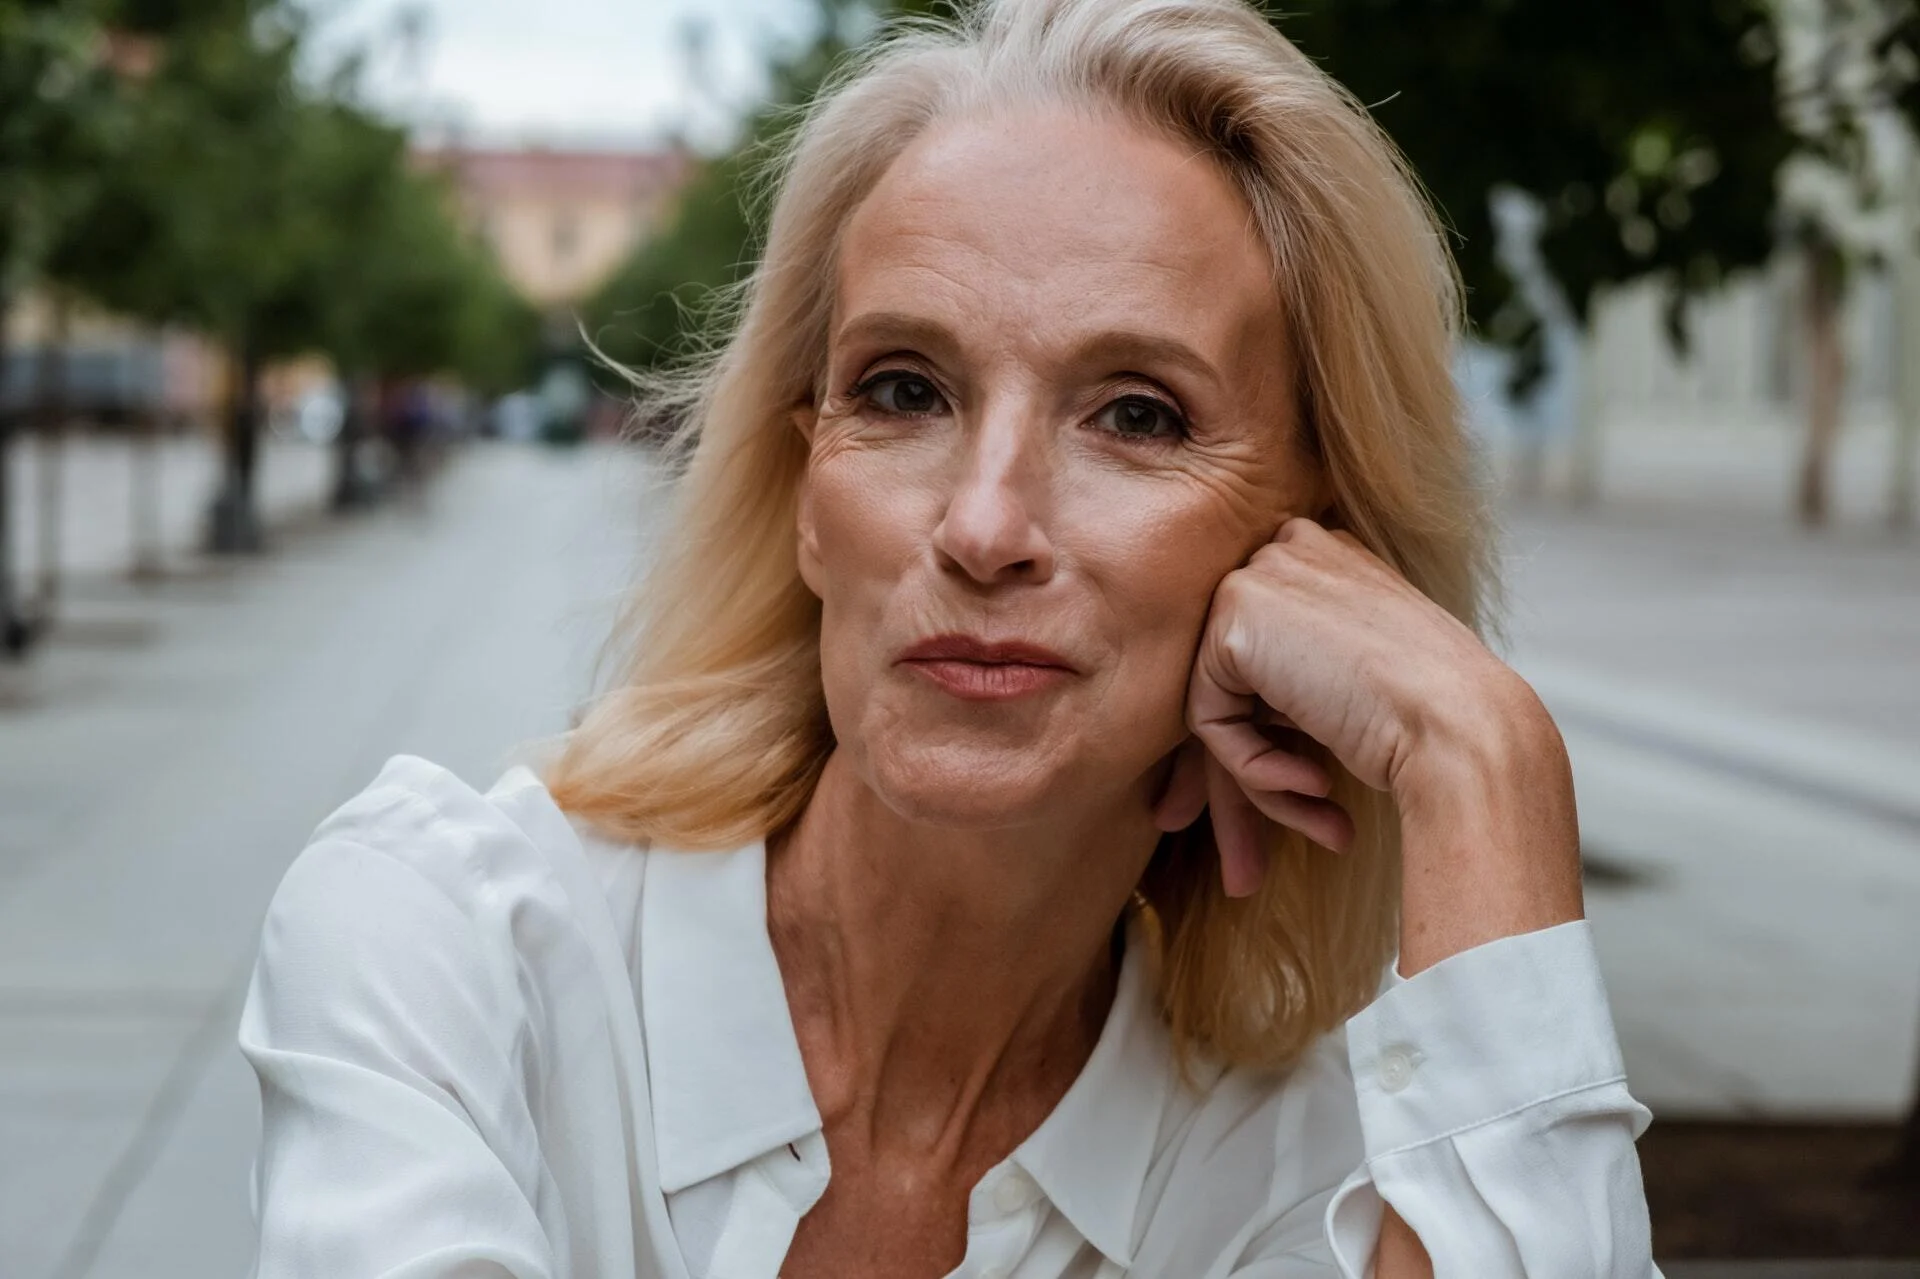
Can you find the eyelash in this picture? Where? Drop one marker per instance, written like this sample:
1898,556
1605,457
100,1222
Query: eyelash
863,389
867,386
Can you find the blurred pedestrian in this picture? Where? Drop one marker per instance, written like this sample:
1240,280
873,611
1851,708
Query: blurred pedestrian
407,423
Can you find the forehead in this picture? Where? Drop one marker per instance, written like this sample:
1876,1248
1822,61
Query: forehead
1074,219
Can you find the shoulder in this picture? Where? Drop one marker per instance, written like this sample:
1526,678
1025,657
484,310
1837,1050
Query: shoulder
415,845
422,897
1249,1161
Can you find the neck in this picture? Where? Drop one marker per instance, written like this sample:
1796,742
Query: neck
944,981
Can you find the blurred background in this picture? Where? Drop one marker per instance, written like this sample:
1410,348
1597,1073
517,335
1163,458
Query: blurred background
305,460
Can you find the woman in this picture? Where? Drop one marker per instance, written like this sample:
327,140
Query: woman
1084,457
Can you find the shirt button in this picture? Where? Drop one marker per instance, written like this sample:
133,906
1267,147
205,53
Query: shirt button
1015,1191
1395,1069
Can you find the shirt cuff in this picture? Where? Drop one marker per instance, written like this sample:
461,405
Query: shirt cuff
1481,1034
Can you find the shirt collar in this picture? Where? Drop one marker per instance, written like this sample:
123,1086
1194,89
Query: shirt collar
723,1063
1091,1155
728,1084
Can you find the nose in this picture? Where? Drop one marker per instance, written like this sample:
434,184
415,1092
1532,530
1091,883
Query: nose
993,527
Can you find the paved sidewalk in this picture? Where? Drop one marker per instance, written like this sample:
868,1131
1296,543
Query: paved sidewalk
1742,702
165,756
1792,1270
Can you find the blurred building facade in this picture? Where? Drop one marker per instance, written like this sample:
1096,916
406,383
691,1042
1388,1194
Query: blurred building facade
561,221
1746,346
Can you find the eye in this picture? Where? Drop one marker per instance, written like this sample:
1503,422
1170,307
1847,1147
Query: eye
901,392
1142,417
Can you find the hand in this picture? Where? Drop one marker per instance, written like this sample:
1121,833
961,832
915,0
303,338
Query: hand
1316,639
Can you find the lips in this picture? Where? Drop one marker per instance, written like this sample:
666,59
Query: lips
967,648
975,669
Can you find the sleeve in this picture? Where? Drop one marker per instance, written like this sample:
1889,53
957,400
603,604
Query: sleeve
1496,1120
396,1138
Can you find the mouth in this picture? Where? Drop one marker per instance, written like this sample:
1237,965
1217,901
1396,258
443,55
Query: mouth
978,670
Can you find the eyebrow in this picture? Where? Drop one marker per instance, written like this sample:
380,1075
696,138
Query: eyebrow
1121,347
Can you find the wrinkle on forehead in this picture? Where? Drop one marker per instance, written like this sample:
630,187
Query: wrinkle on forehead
1055,219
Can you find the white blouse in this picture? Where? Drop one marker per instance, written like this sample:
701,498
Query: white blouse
490,1044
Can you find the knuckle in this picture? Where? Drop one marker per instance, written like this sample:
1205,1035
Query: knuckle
1231,594
1298,528
1274,559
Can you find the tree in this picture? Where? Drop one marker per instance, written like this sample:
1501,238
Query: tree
1654,136
409,293
1855,70
649,311
55,96
1647,134
208,219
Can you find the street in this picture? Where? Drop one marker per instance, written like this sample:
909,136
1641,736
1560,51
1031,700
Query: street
1740,702
165,758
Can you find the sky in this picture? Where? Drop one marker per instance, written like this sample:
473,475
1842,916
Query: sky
567,72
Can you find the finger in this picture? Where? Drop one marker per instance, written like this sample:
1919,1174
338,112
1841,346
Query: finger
1320,820
1238,833
1299,526
1267,717
1185,795
1259,765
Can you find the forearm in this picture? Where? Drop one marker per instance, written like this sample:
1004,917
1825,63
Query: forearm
1492,793
1488,827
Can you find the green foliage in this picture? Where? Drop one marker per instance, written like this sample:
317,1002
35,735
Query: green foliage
407,292
1649,132
637,318
219,225
56,112
276,216
656,305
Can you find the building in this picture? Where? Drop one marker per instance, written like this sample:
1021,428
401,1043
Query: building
561,221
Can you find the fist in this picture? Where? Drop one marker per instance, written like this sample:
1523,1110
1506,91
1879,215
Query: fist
1318,640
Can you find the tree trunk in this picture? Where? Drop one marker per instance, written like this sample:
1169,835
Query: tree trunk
13,625
143,495
234,522
1826,378
350,487
1906,420
54,407
1583,477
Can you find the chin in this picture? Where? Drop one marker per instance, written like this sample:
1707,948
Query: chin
965,787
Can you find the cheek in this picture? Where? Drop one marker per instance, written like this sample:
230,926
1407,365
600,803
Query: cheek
868,520
1158,555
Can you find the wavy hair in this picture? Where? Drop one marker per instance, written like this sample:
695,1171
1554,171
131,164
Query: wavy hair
717,730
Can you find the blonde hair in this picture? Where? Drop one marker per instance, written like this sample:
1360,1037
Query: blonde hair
719,730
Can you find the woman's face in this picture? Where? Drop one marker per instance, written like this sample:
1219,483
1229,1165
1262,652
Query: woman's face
1057,412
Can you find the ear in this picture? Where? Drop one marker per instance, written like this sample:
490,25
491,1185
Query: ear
807,549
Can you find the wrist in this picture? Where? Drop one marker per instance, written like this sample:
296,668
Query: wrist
1490,842
1496,735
